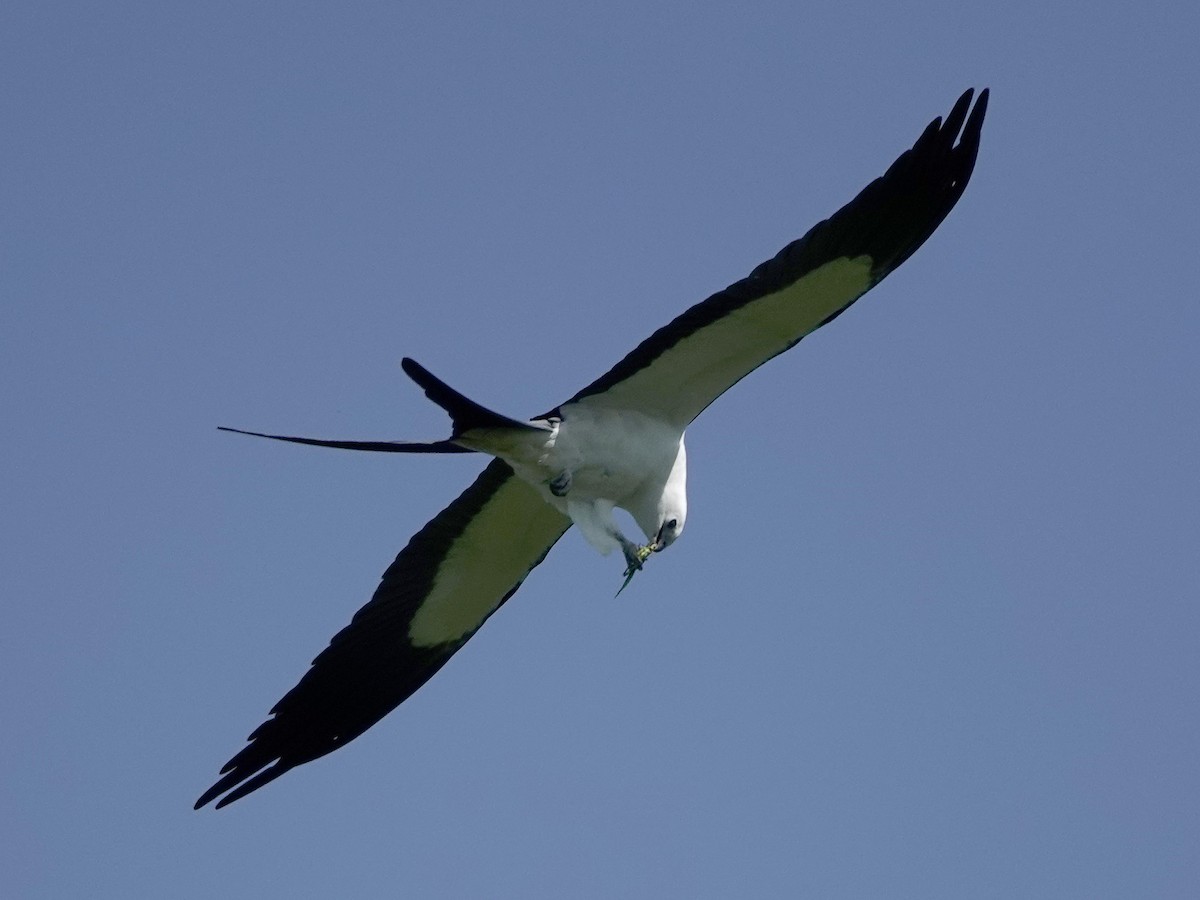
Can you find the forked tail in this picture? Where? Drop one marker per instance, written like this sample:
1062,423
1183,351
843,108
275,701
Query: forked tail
376,446
465,415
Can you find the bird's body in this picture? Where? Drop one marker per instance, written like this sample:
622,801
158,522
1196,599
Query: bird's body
593,459
584,458
618,443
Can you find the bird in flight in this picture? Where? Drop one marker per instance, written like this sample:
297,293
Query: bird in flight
618,443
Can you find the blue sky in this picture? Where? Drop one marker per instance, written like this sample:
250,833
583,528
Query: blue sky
933,628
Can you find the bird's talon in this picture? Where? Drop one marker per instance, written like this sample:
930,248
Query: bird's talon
560,484
635,556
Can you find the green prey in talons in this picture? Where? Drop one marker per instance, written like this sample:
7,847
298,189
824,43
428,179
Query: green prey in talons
640,555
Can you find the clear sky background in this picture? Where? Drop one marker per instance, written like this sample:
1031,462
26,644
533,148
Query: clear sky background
933,629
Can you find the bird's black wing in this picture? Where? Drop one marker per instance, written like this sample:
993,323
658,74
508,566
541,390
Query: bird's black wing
454,573
684,366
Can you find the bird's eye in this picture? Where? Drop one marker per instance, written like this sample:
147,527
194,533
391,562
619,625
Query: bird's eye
672,524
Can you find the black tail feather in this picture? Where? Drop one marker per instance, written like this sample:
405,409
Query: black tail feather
378,446
465,413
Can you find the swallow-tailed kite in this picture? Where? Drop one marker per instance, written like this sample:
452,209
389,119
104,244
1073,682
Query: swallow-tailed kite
616,443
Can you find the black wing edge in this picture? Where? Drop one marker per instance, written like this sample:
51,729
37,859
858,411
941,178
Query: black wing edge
374,446
369,668
888,221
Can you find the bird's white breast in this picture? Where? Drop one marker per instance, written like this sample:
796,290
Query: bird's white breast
612,454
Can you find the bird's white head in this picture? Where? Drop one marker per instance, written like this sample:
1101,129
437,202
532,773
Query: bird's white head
672,505
670,527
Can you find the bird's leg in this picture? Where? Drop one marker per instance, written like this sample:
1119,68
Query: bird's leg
560,483
634,555
600,513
